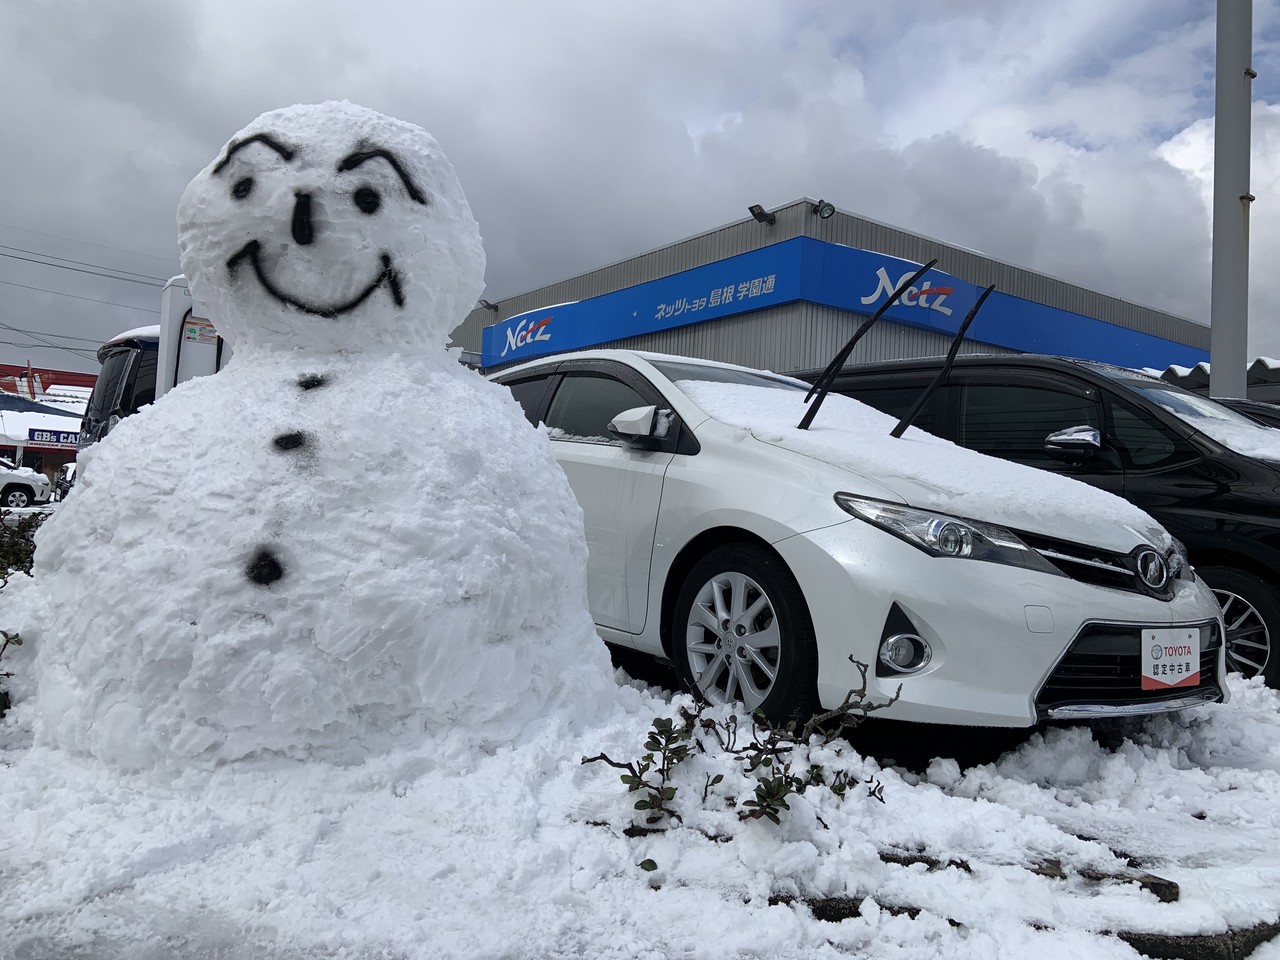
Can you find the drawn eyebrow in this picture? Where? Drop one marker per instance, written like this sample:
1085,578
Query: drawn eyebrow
360,156
264,138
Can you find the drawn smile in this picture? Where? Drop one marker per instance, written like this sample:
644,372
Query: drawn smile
388,276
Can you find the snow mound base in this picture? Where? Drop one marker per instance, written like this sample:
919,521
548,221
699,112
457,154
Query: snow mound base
425,590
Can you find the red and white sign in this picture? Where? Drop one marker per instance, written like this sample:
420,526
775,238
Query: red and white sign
1170,658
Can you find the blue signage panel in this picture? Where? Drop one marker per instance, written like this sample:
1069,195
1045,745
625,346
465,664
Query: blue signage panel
750,281
859,281
833,275
58,438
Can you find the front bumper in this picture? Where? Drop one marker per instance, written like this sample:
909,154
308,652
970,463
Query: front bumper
998,634
1100,675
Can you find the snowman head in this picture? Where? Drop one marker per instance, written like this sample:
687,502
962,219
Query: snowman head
331,227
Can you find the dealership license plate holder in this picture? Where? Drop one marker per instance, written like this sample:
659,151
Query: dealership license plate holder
1170,658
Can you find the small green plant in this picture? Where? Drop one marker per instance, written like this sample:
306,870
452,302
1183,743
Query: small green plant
667,745
765,754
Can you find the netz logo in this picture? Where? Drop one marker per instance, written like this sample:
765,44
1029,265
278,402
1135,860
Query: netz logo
926,296
520,335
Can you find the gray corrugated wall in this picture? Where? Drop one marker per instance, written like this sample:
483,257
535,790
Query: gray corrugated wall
794,220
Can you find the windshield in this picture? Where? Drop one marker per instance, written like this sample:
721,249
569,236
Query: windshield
1233,430
1191,407
676,371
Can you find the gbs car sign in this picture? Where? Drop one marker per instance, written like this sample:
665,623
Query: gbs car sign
53,438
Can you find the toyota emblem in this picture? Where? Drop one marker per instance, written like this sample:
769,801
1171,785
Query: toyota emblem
1152,569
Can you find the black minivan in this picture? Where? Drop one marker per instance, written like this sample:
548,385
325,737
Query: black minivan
1210,475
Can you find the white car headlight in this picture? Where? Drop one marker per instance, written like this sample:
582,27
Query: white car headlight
940,535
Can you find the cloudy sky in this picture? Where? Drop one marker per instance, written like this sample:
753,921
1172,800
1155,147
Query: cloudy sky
1070,136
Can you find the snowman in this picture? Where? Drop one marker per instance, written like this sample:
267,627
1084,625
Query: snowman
343,542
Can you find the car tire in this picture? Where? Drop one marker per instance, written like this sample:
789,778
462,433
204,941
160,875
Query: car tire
15,498
1251,612
741,632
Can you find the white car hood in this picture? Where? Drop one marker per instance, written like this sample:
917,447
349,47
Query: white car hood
931,473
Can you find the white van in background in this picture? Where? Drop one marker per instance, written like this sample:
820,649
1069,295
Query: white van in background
144,363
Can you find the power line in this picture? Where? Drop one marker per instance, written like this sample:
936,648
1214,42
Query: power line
89,243
109,276
86,354
46,333
58,293
39,338
83,263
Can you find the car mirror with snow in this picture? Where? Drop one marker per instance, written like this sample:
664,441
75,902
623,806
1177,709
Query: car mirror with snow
1073,443
639,426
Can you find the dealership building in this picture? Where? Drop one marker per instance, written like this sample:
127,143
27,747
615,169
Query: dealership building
785,289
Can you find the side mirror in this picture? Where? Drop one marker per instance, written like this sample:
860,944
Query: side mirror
1074,444
643,427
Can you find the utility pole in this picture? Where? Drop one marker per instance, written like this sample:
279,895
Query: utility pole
1229,294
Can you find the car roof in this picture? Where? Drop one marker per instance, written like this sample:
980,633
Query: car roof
930,364
623,356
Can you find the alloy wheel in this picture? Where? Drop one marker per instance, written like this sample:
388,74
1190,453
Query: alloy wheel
1248,640
733,641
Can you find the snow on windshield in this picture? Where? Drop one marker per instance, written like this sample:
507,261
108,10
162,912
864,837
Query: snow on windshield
1231,429
925,470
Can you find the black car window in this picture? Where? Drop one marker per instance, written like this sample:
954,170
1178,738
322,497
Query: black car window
896,401
106,391
1141,439
528,393
141,387
1012,420
584,404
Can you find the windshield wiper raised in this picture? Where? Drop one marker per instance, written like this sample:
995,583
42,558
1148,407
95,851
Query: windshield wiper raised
822,386
946,367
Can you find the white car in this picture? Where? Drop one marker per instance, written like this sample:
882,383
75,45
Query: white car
22,487
763,560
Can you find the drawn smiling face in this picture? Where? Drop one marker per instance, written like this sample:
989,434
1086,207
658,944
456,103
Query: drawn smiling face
331,227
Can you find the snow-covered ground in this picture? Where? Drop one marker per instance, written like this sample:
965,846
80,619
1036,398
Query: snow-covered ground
442,851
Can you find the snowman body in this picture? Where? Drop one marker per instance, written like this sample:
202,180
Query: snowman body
343,541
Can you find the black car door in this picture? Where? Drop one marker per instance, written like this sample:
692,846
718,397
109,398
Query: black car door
1010,413
1164,474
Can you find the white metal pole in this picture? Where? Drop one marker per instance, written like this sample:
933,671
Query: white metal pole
1229,296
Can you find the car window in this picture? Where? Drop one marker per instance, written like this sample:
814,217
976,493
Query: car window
1013,420
675,371
896,401
528,393
141,388
106,390
584,404
1141,439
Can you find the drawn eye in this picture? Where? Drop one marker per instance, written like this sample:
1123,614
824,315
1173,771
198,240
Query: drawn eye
367,199
242,188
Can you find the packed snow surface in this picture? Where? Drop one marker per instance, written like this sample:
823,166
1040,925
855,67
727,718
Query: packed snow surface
438,849
927,471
